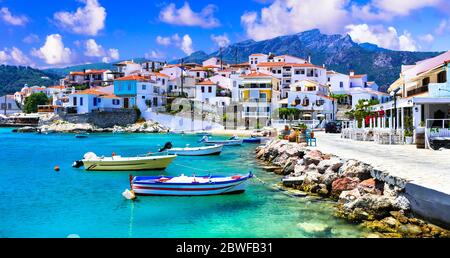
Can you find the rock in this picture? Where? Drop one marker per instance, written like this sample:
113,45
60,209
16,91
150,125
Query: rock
260,154
323,190
289,166
400,216
379,226
391,191
410,230
349,196
27,129
314,228
299,169
401,203
329,177
369,186
312,177
313,157
343,184
354,168
333,164
377,205
393,223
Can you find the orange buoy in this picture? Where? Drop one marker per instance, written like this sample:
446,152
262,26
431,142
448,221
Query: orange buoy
56,168
113,154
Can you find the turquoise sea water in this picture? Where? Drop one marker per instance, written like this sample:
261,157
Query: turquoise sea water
36,201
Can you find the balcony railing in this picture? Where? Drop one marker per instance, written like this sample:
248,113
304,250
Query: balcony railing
256,114
417,90
256,100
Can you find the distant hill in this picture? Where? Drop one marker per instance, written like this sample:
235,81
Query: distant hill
13,78
336,52
95,66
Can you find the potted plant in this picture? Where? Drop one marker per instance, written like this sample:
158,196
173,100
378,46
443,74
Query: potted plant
421,128
409,137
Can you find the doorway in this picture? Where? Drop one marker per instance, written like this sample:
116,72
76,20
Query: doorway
126,102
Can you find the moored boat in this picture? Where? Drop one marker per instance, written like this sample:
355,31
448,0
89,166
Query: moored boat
234,141
252,140
189,186
192,151
92,162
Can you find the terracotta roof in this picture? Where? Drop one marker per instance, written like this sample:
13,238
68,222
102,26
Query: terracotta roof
258,54
110,96
160,75
132,78
199,69
326,97
284,64
206,82
57,87
89,92
256,74
356,76
77,73
211,66
96,71
240,65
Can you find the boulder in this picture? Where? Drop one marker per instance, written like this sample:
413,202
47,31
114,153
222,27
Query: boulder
323,190
391,191
410,230
313,157
289,166
401,203
354,168
329,177
314,228
299,169
349,196
334,164
370,186
377,205
343,184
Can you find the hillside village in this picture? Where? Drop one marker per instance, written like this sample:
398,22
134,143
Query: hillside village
260,86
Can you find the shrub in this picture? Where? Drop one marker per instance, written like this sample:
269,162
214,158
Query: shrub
33,101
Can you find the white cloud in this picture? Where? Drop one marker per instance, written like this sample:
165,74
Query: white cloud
221,40
93,49
8,17
53,52
292,16
388,9
444,26
114,53
4,57
379,35
187,17
155,54
30,39
186,45
87,20
427,38
19,57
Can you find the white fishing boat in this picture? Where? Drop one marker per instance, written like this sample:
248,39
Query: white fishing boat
192,151
91,162
234,141
189,185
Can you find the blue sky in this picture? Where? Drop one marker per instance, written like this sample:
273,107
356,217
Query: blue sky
56,33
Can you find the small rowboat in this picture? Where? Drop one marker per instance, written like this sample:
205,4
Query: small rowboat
196,151
92,162
81,136
189,186
203,134
230,142
252,140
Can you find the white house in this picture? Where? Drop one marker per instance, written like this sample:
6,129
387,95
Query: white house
8,105
150,95
255,59
213,61
312,99
86,101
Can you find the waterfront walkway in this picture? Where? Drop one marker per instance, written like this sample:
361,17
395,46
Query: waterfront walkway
427,168
426,172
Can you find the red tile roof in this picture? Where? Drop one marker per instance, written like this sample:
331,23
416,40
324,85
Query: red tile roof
257,74
357,76
206,82
132,78
284,64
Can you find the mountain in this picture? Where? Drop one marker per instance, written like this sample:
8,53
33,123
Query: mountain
13,78
336,52
94,66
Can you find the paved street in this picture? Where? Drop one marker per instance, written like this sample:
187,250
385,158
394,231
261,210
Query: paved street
427,168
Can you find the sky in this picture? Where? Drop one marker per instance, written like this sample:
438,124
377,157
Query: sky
59,33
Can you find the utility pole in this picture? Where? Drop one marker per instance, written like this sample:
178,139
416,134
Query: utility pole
221,56
182,77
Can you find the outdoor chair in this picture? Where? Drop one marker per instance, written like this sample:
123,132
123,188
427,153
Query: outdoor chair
310,140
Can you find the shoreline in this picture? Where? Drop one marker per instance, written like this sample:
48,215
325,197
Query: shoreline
361,198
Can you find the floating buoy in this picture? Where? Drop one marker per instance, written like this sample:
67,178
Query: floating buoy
113,154
129,195
56,168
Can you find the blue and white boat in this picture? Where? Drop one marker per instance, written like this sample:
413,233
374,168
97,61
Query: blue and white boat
233,141
253,140
189,185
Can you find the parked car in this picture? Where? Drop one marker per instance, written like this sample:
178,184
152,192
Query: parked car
333,127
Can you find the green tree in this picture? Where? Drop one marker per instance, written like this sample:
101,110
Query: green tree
33,101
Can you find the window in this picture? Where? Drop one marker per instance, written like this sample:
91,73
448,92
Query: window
198,74
99,100
341,84
209,89
442,77
143,97
203,89
426,81
144,87
365,84
329,79
163,81
129,87
9,106
95,102
74,101
116,102
351,84
81,101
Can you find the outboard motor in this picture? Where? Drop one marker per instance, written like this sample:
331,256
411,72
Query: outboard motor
167,146
234,138
78,164
204,139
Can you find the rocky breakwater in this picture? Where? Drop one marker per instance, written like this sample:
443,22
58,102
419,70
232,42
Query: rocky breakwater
379,205
60,126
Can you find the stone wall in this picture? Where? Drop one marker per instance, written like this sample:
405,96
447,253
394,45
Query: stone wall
119,117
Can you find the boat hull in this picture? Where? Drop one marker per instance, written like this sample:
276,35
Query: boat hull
141,187
252,140
128,165
200,151
225,143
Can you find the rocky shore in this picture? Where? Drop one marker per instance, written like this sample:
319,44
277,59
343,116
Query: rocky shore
380,206
59,126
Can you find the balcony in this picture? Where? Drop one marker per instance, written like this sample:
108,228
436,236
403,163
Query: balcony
417,90
256,114
253,100
439,90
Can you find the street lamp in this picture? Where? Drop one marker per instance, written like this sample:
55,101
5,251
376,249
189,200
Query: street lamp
394,94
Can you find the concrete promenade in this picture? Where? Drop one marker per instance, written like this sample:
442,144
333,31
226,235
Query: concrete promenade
426,172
